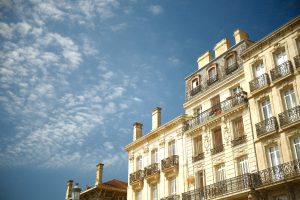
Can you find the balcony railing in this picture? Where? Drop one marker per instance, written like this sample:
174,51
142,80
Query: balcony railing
290,116
215,110
239,140
231,68
282,70
199,156
297,61
151,169
217,149
195,90
172,161
212,79
238,183
259,82
171,197
136,176
278,173
266,126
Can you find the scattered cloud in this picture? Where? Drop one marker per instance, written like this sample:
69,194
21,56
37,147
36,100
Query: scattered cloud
137,99
118,27
174,60
155,9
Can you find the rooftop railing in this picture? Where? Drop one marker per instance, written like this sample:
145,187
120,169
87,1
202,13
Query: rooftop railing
266,126
172,161
289,116
259,82
215,110
282,70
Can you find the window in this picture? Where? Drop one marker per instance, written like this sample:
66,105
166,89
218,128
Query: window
274,156
138,195
289,98
266,109
200,179
212,73
236,90
243,165
280,57
172,186
195,83
238,127
154,192
215,102
217,138
220,172
230,61
259,70
139,163
172,148
296,143
198,145
154,156
298,45
197,110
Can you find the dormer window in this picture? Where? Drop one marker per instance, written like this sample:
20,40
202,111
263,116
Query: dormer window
195,83
212,75
195,87
231,64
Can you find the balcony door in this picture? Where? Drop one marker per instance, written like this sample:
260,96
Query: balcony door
280,57
215,104
200,179
198,145
139,163
172,148
154,195
154,156
217,139
289,99
296,143
259,70
172,186
266,109
275,162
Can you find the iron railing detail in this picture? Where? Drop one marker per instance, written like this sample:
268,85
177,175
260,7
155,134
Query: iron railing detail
212,79
278,173
195,90
259,82
171,197
172,161
239,140
199,156
282,70
297,61
289,116
151,169
217,149
215,110
266,126
224,187
136,176
231,68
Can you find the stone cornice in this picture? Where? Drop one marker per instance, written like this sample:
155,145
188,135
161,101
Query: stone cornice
155,133
267,40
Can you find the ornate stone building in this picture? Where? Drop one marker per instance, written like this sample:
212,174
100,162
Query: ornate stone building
110,190
240,135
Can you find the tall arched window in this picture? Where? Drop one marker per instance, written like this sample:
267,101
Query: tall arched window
139,163
212,75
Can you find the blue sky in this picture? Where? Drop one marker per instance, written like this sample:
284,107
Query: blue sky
75,76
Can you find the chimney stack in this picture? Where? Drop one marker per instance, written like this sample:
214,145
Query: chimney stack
69,189
204,59
137,130
156,118
99,173
221,47
240,35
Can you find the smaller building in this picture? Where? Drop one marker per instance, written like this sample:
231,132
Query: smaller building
111,190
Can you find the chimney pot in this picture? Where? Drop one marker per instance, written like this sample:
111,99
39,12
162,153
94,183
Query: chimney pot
137,130
204,59
221,47
156,118
99,173
240,35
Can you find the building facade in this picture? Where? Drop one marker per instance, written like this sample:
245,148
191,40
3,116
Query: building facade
240,135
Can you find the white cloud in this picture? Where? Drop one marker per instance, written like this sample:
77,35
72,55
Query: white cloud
137,99
174,60
118,27
155,9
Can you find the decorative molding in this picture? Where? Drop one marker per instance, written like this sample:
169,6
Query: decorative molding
161,143
146,149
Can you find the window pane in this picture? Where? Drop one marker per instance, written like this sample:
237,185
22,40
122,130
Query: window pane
290,99
244,168
297,147
266,109
274,156
259,70
238,127
281,57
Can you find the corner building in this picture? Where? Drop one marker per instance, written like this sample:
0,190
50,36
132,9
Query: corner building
240,135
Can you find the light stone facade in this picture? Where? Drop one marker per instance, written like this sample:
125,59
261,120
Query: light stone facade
240,135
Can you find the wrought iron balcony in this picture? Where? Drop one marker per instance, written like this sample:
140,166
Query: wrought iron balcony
239,140
216,110
297,61
266,126
217,149
170,162
136,176
195,90
259,82
212,79
282,70
227,186
199,156
171,197
289,117
278,173
151,170
231,68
